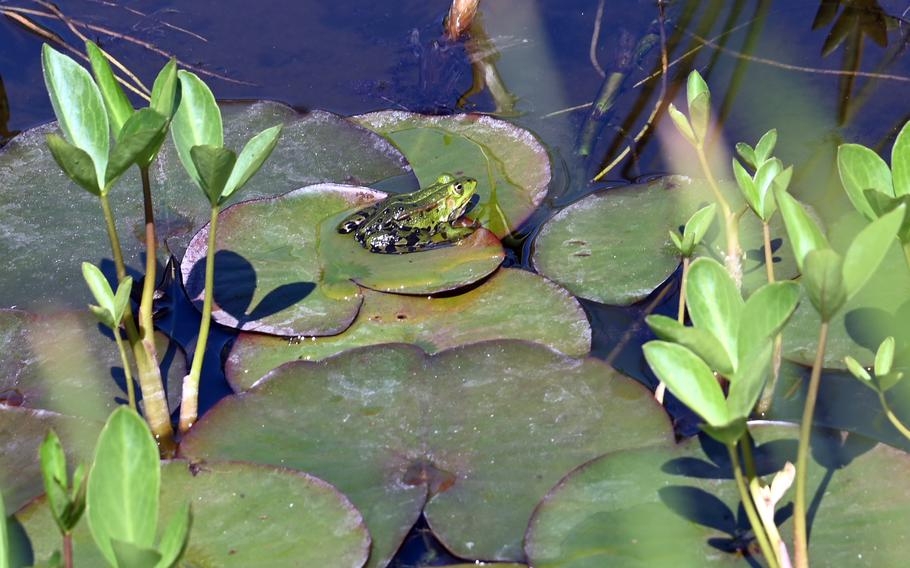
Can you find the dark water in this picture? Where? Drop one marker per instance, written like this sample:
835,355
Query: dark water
784,64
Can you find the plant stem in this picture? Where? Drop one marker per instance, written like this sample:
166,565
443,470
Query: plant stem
151,262
130,389
895,421
733,257
149,375
189,404
769,258
751,513
800,539
68,550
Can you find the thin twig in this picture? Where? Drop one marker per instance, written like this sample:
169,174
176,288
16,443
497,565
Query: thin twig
594,37
791,67
156,20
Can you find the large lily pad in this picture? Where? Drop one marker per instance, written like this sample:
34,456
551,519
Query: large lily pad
49,226
474,435
244,515
21,432
613,246
282,268
678,506
64,363
511,167
496,310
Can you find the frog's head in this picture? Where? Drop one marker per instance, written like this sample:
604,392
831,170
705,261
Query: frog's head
456,194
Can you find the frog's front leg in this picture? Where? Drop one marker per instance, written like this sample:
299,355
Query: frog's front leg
391,241
457,230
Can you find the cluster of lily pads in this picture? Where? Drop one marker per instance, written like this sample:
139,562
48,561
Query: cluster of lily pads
372,389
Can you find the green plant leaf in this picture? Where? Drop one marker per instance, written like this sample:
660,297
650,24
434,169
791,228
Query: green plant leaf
698,225
674,237
729,433
747,383
100,287
699,341
213,166
75,163
714,303
764,177
746,185
689,379
695,87
53,472
746,153
699,115
129,555
884,357
824,281
175,537
138,143
164,90
868,249
805,235
888,381
860,169
123,485
859,372
196,122
765,146
122,298
765,313
117,104
900,162
78,106
251,158
682,124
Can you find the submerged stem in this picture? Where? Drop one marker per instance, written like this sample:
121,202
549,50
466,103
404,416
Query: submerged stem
800,538
733,256
130,389
189,405
757,527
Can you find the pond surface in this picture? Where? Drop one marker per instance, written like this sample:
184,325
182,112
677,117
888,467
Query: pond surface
785,64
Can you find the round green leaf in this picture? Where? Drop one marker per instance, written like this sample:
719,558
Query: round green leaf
293,275
408,431
50,227
677,506
511,167
496,310
64,363
245,515
860,169
613,247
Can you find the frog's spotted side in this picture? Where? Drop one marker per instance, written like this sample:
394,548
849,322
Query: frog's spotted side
410,222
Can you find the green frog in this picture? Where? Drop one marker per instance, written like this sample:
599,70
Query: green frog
415,221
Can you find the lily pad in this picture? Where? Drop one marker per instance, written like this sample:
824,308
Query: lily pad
399,431
21,432
496,310
613,246
511,167
64,363
677,506
282,268
49,226
244,515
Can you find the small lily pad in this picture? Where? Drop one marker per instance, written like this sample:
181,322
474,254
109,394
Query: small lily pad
677,506
294,274
50,226
613,246
511,167
409,431
496,310
243,515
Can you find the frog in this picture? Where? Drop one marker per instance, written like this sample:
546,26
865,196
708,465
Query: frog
416,221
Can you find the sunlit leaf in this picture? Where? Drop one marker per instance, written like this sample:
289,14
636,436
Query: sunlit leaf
196,122
138,143
860,169
824,281
884,357
77,165
256,151
164,90
213,166
118,106
714,303
689,379
765,146
682,124
805,234
698,340
868,249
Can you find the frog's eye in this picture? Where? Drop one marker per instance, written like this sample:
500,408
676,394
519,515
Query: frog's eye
459,188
